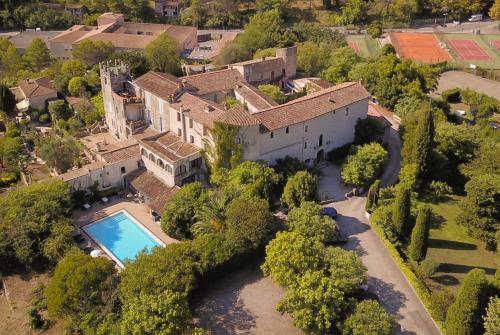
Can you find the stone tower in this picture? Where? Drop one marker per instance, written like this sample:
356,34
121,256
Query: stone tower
289,55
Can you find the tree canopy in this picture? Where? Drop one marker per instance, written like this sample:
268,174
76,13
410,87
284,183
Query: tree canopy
364,165
369,318
299,188
163,54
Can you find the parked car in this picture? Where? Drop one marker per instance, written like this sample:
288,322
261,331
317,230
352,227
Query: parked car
476,18
329,211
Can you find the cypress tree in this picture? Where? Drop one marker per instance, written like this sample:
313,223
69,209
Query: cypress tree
401,211
464,316
423,143
372,196
419,235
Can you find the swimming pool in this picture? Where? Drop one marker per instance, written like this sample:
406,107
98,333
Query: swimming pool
121,236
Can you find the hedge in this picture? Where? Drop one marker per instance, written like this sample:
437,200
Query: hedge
419,287
451,95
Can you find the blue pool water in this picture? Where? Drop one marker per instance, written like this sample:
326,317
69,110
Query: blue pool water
123,237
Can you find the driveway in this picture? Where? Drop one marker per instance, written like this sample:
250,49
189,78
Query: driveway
452,79
385,278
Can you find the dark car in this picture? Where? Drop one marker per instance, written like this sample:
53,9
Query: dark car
329,211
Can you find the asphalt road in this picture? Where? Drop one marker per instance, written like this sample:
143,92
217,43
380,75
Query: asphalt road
385,278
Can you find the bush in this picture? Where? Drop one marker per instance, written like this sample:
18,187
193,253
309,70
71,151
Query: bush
369,318
429,267
299,188
419,236
374,30
367,130
7,178
451,95
401,217
440,189
363,166
44,118
338,155
440,302
372,196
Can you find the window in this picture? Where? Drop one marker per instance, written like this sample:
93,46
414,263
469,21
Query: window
320,142
151,157
123,169
190,123
179,132
238,140
144,152
178,116
306,128
168,168
191,138
139,164
271,135
160,163
347,111
287,130
305,145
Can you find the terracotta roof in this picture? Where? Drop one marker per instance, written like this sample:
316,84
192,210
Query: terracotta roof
180,33
238,116
122,154
216,81
311,106
254,97
124,41
259,61
169,146
83,171
200,110
37,87
154,189
320,83
160,84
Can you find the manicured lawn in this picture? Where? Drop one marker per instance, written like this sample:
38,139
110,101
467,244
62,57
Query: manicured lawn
458,253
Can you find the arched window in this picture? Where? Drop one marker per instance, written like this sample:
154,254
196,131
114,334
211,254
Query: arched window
168,168
144,152
320,140
152,157
160,163
183,169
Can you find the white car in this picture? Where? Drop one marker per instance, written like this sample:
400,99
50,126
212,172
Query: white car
476,18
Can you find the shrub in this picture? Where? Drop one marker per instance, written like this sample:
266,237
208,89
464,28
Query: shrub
429,267
367,130
464,315
338,155
308,221
372,196
299,188
440,303
451,95
364,165
401,211
44,118
440,189
492,317
369,318
374,30
419,235
77,86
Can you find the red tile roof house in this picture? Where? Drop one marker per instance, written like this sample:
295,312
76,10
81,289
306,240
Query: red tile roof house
34,93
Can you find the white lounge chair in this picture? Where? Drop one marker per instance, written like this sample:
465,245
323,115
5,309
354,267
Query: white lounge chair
104,199
86,206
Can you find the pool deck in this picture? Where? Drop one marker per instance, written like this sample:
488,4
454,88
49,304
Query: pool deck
99,210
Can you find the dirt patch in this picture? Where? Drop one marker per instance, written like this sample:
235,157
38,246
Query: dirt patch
14,307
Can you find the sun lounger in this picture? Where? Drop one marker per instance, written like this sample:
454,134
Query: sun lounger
104,199
86,206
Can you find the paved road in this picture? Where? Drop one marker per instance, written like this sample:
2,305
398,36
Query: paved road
464,80
385,278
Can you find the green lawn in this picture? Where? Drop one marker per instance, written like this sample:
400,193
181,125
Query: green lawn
458,253
367,45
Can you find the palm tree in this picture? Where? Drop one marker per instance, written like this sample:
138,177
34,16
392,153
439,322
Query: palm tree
212,216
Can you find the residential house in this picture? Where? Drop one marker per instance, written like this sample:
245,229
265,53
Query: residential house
34,93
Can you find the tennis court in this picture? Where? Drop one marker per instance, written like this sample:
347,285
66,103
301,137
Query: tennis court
495,44
422,47
354,46
468,50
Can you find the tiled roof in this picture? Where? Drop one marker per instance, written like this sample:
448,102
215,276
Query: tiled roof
216,81
160,84
168,146
155,189
121,154
200,110
254,97
37,87
124,41
311,106
238,116
320,83
83,171
259,61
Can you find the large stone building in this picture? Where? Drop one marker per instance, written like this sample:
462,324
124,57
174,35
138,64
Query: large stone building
170,119
126,36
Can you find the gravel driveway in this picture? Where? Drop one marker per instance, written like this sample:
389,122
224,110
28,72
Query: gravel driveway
464,80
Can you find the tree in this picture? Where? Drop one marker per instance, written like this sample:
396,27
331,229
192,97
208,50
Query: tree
211,216
37,55
264,30
464,315
401,216
249,223
492,317
165,313
345,269
30,216
313,58
367,131
7,101
299,188
77,86
137,10
233,53
59,110
289,256
419,235
91,52
179,214
136,61
73,68
341,62
163,54
369,318
273,92
10,152
308,221
372,196
423,144
59,153
315,303
80,284
495,10
481,212
354,11
364,165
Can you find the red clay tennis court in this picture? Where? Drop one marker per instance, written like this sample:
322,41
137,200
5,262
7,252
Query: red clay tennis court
354,46
468,50
420,47
495,44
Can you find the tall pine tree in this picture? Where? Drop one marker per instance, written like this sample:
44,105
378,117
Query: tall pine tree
401,211
464,315
423,143
419,235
